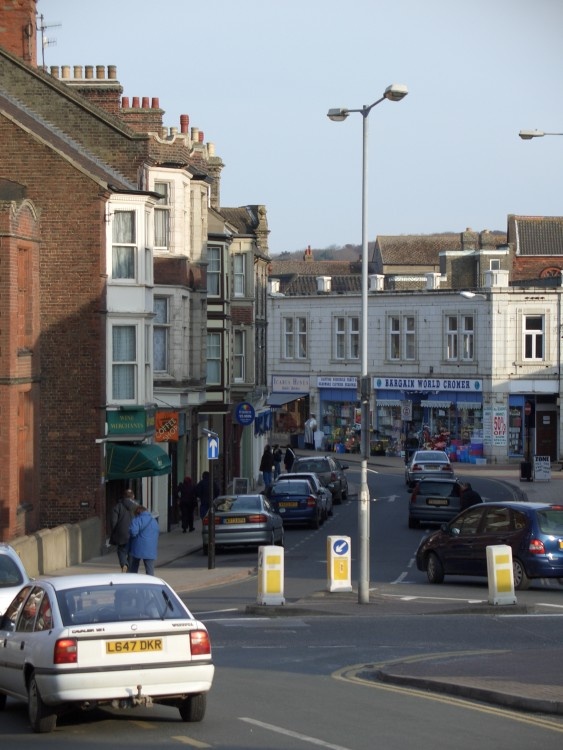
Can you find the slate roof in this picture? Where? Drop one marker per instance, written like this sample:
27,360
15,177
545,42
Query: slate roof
536,235
244,218
299,277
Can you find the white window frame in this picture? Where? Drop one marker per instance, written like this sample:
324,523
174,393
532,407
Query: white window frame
214,358
533,338
346,337
239,275
124,250
460,340
161,334
214,267
401,337
239,356
124,388
163,210
295,337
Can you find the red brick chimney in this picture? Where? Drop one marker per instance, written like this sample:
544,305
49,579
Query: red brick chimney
18,28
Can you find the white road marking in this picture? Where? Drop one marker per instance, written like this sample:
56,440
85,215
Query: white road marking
295,735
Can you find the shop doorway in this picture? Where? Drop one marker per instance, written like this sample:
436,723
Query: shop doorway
546,433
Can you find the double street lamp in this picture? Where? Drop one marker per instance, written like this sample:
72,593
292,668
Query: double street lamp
393,93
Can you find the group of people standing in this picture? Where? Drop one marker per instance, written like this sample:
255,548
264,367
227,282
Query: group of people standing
271,461
190,495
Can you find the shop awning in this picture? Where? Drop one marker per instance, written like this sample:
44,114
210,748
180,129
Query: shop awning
436,404
469,404
131,461
387,402
279,399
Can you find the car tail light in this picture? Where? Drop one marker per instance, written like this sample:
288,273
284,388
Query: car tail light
258,518
536,547
446,467
205,520
311,501
200,645
66,651
416,467
333,477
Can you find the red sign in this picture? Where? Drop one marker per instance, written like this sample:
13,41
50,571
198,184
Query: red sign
166,426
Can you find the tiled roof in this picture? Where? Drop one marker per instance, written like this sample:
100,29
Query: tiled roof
536,235
280,268
424,249
307,285
244,218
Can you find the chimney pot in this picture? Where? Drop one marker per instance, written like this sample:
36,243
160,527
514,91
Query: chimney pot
55,71
211,149
78,71
195,134
145,102
200,136
112,72
65,71
184,123
100,71
155,104
135,104
125,102
89,71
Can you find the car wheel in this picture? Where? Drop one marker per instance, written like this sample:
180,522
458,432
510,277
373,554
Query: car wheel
414,523
2,701
434,569
281,540
42,718
193,707
315,523
521,580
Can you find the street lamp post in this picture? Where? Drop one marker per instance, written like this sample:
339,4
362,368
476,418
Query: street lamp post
394,93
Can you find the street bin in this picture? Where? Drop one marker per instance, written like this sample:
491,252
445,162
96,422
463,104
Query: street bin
525,471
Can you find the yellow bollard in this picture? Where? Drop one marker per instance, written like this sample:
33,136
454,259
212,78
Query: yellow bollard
500,574
270,575
338,555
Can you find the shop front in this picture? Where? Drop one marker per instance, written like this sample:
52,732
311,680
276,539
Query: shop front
289,402
339,414
435,413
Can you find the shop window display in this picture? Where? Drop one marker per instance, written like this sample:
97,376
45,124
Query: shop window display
341,426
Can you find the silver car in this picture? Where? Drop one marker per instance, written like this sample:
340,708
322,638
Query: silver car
428,464
13,575
243,520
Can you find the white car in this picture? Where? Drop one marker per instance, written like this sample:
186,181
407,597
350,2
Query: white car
428,464
12,575
109,639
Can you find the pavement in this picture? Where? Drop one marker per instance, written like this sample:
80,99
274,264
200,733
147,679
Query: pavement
529,680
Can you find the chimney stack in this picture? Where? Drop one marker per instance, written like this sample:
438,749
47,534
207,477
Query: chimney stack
18,32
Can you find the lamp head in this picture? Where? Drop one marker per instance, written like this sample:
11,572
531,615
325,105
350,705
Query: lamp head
395,92
337,115
527,135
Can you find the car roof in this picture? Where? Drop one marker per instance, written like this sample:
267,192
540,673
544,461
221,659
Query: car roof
62,583
236,497
439,480
521,504
9,551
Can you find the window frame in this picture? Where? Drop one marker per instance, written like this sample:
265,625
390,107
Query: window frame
239,356
401,337
214,269
163,208
128,250
239,275
161,328
217,360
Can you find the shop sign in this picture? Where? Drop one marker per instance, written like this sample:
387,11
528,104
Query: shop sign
464,385
500,431
130,422
290,383
244,413
335,382
542,468
406,411
166,426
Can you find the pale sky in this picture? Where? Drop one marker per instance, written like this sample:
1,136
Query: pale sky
258,77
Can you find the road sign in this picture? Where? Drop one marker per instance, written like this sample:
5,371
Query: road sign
212,447
406,411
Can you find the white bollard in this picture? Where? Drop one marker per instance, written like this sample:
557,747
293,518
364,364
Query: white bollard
500,574
270,575
338,555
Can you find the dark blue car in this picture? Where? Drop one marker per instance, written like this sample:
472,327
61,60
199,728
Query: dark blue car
297,502
534,531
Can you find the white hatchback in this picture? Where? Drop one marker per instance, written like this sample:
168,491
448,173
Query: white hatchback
105,639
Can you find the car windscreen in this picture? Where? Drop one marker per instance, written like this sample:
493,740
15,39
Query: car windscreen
423,457
237,504
315,467
550,521
10,574
440,489
110,603
297,487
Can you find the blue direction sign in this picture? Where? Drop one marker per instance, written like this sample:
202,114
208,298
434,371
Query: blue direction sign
340,547
212,447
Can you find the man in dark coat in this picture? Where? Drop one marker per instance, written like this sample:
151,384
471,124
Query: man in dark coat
202,493
121,517
469,496
187,502
289,458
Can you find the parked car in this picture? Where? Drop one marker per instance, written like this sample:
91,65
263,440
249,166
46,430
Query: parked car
243,520
297,502
534,531
427,464
434,501
105,639
329,470
13,575
316,486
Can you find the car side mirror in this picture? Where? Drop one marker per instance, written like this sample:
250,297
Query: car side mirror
6,624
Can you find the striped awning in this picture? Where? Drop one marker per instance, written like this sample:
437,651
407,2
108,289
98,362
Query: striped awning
387,402
469,404
436,404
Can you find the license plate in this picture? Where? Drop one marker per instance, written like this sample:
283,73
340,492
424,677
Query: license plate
437,501
288,505
234,520
561,544
137,645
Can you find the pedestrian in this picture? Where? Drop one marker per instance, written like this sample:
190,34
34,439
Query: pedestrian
122,514
469,496
310,429
143,540
202,493
289,457
266,466
278,455
187,501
